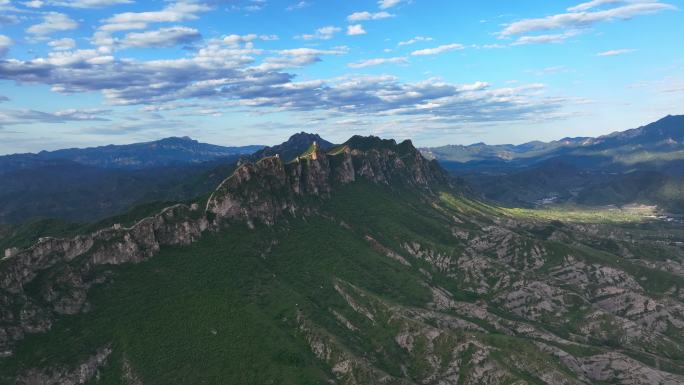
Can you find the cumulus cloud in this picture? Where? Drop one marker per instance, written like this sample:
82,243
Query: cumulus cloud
53,22
231,70
5,43
385,4
386,96
163,37
616,52
33,4
415,40
365,15
175,12
62,44
248,40
438,50
297,57
378,61
576,20
323,33
356,29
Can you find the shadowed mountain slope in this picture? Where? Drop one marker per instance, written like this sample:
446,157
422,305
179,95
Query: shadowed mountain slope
639,166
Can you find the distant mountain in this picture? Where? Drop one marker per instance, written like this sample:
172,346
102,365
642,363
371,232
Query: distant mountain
91,183
293,147
641,165
164,152
361,265
502,152
668,131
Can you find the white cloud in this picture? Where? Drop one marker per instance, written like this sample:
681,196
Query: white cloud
356,29
574,20
493,46
228,70
175,12
163,37
545,39
378,61
616,52
298,5
33,4
248,6
365,15
323,33
5,43
438,50
384,4
312,51
76,3
415,40
594,4
91,3
63,44
53,22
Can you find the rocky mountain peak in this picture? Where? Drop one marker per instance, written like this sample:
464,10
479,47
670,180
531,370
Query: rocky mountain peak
295,146
273,185
259,192
305,137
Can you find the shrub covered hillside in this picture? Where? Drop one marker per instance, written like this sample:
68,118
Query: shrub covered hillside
358,264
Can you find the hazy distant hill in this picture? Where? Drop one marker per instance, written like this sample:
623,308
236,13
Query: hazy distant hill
87,184
642,165
164,152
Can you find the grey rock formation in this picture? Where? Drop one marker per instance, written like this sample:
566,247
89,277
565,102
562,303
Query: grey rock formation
259,192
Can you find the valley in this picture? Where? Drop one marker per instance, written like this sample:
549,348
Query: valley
642,166
359,265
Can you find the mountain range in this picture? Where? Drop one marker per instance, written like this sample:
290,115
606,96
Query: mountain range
165,152
638,166
365,263
93,183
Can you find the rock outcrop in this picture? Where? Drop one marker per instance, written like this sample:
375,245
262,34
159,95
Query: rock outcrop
259,192
269,188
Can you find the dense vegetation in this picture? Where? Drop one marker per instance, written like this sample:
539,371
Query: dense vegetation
236,306
639,166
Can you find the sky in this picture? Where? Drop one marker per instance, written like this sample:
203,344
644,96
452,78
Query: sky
83,73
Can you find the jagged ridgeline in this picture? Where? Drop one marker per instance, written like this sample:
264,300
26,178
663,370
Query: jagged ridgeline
354,264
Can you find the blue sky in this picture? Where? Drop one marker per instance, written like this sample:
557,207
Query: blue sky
91,72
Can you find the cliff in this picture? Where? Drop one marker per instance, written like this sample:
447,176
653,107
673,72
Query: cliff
259,192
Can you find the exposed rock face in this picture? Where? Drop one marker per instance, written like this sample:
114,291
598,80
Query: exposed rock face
175,225
259,192
269,188
67,376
